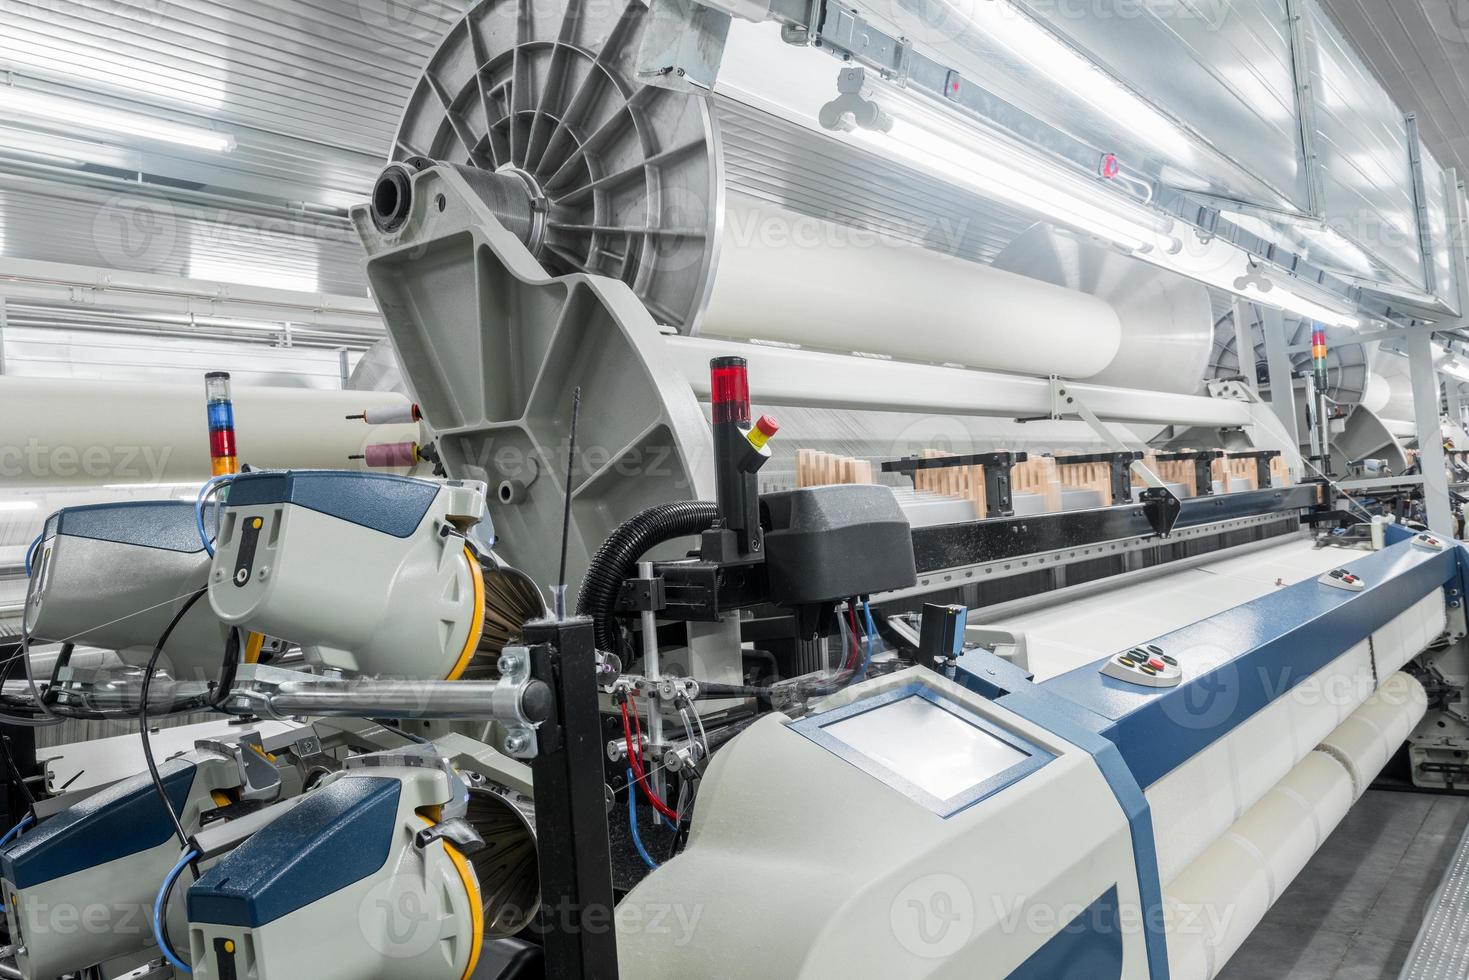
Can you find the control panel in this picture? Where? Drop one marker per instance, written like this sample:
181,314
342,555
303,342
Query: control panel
1146,666
1342,578
1429,542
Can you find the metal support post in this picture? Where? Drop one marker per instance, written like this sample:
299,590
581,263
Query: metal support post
1430,434
1277,363
1244,343
571,807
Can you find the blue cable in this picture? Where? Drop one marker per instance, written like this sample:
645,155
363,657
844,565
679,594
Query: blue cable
158,913
15,831
871,640
31,552
632,821
199,508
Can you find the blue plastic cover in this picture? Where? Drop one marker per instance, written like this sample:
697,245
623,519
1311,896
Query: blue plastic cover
337,836
392,504
168,525
124,819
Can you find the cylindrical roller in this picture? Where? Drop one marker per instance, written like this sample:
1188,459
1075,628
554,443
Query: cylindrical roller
1167,321
1367,740
1219,899
511,601
787,277
67,433
507,869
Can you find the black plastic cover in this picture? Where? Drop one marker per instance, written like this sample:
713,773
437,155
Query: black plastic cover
828,543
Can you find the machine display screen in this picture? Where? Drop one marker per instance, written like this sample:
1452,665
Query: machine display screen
933,748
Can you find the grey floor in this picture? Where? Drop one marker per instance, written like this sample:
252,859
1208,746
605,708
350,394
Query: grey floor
1353,912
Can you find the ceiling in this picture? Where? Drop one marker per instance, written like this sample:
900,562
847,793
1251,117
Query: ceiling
1419,49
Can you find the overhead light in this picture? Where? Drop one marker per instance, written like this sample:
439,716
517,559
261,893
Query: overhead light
18,505
55,109
992,176
1056,60
1257,286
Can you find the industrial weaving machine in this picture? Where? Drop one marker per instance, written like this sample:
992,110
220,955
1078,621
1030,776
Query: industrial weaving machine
769,621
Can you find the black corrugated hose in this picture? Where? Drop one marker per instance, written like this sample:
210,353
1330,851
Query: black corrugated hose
618,557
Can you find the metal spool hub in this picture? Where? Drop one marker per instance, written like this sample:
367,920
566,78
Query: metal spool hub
622,178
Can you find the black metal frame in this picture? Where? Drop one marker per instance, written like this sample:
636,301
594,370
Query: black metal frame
977,542
998,497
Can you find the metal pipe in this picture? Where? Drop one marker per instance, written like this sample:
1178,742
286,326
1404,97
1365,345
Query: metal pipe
651,670
423,700
805,378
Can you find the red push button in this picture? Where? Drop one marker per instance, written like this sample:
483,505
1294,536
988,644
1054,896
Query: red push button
1157,664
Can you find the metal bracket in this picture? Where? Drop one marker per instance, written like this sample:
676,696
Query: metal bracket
998,496
1159,502
458,832
259,778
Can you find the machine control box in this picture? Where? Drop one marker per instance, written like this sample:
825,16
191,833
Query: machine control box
1429,542
1146,666
1343,578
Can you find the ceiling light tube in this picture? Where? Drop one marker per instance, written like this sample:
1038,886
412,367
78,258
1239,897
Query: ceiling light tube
1257,287
55,109
992,177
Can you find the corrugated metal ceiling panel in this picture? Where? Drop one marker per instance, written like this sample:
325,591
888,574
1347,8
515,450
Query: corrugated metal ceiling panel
1420,51
145,231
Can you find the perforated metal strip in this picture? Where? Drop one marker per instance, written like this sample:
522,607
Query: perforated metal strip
1441,950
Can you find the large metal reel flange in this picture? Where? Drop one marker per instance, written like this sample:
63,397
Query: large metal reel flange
626,176
493,348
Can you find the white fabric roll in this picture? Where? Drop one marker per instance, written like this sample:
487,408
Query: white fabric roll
787,277
76,433
1219,899
1367,740
1197,802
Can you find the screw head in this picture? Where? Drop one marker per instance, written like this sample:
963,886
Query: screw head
517,742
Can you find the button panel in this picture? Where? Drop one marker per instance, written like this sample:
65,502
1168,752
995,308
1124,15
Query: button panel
1343,578
1146,666
1429,542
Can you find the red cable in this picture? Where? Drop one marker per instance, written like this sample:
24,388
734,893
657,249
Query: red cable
856,651
637,769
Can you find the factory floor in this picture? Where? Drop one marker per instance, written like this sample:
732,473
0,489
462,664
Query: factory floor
1354,911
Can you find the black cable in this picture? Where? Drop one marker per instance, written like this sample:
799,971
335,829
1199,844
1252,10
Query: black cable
570,474
617,558
148,671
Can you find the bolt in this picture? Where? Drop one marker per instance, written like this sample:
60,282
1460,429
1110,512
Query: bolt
508,664
517,742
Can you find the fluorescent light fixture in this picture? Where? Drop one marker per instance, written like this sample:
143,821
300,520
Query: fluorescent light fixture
1052,58
1014,183
18,505
208,264
54,109
1257,287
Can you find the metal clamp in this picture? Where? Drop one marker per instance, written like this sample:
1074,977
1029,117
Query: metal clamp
458,832
259,778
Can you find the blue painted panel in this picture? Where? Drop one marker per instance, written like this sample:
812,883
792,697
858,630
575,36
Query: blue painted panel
1088,947
1241,660
122,820
391,504
1035,704
814,728
335,837
168,525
